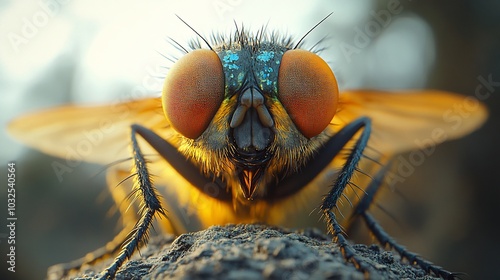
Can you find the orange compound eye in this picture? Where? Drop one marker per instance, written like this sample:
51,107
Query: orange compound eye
308,90
193,92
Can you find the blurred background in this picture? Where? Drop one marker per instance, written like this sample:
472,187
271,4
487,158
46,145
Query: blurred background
59,52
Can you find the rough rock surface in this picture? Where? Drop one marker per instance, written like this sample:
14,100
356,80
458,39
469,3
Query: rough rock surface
254,252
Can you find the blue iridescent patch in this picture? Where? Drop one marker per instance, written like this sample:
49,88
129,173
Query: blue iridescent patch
229,60
265,56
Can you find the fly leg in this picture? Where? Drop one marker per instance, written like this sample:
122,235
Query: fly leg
330,201
149,206
146,193
383,237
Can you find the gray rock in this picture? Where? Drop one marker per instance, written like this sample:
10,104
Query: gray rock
254,252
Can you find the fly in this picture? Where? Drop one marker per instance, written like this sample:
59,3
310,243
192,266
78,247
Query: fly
256,127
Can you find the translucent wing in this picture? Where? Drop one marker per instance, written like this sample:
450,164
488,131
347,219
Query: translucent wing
98,134
409,120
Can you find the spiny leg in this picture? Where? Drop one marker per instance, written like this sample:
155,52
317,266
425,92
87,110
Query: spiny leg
331,199
384,238
150,205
